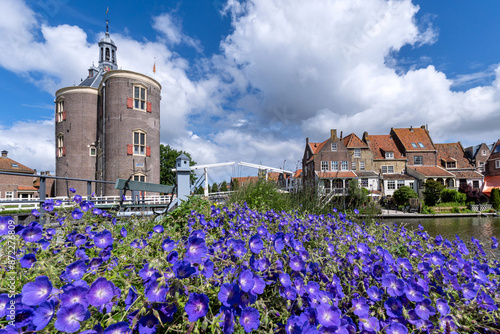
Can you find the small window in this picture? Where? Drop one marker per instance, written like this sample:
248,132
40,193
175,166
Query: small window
335,165
483,152
391,184
418,160
475,184
60,145
9,194
353,165
345,165
387,169
414,145
139,98
334,147
361,165
421,145
324,166
451,164
14,165
389,155
364,183
60,111
92,151
401,183
412,184
481,166
140,177
139,143
357,153
497,164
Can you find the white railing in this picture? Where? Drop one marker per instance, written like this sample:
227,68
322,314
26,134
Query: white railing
16,204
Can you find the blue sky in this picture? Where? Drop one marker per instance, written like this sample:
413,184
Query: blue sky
250,80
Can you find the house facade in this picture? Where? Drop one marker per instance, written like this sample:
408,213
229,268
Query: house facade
12,186
108,126
478,155
492,170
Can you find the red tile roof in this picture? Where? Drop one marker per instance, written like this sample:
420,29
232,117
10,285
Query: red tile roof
353,141
407,136
467,174
333,175
8,165
298,173
379,144
396,176
431,171
316,147
26,188
245,179
453,152
491,182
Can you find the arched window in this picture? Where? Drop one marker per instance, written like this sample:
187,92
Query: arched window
102,53
107,54
113,56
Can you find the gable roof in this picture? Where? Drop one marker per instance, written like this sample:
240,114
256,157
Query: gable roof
316,147
9,165
353,141
495,152
432,171
453,152
411,137
379,144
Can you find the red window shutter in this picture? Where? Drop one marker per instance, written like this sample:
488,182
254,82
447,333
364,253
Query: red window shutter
64,150
130,102
148,151
130,149
64,115
149,107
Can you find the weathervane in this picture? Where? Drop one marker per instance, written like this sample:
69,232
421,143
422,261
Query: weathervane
107,19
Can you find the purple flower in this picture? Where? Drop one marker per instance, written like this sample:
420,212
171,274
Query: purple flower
69,318
35,213
361,308
395,286
77,198
485,301
158,229
131,297
48,205
35,293
229,294
72,190
77,214
442,306
197,306
78,294
414,292
43,314
183,269
156,291
207,269
27,260
255,243
100,292
196,249
258,286
168,245
76,270
494,243
147,324
356,211
103,239
32,233
371,324
249,319
393,307
424,309
328,315
119,328
285,280
296,263
375,293
469,291
396,328
246,280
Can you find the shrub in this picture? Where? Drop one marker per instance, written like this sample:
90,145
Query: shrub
495,198
451,195
473,194
432,192
402,195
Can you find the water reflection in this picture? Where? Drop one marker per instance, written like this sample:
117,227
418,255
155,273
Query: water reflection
481,228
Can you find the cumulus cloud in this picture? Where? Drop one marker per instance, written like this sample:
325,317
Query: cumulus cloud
288,70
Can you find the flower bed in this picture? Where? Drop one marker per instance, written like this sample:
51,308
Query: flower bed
225,270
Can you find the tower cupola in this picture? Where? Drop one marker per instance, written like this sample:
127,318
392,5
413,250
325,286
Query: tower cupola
107,52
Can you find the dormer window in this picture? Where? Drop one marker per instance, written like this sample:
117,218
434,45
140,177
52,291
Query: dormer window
414,145
334,147
451,164
15,166
389,155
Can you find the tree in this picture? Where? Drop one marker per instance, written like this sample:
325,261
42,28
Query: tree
223,186
356,197
451,195
432,192
495,198
403,194
215,188
168,157
473,194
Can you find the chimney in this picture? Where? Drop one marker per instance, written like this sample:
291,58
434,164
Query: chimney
333,134
307,141
4,154
341,134
411,128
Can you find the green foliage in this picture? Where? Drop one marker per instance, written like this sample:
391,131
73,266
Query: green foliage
223,186
451,195
402,195
261,194
495,198
168,158
215,188
432,192
356,196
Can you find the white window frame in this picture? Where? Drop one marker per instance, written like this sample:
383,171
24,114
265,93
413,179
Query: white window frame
60,145
60,110
335,165
140,100
364,183
391,184
334,147
139,146
481,166
418,160
483,152
389,155
344,165
400,183
324,166
357,153
388,169
449,164
92,148
353,165
497,164
9,195
140,177
361,165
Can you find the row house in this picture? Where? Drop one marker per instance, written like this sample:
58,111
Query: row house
478,155
492,170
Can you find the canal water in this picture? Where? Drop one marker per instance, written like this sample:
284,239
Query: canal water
481,228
